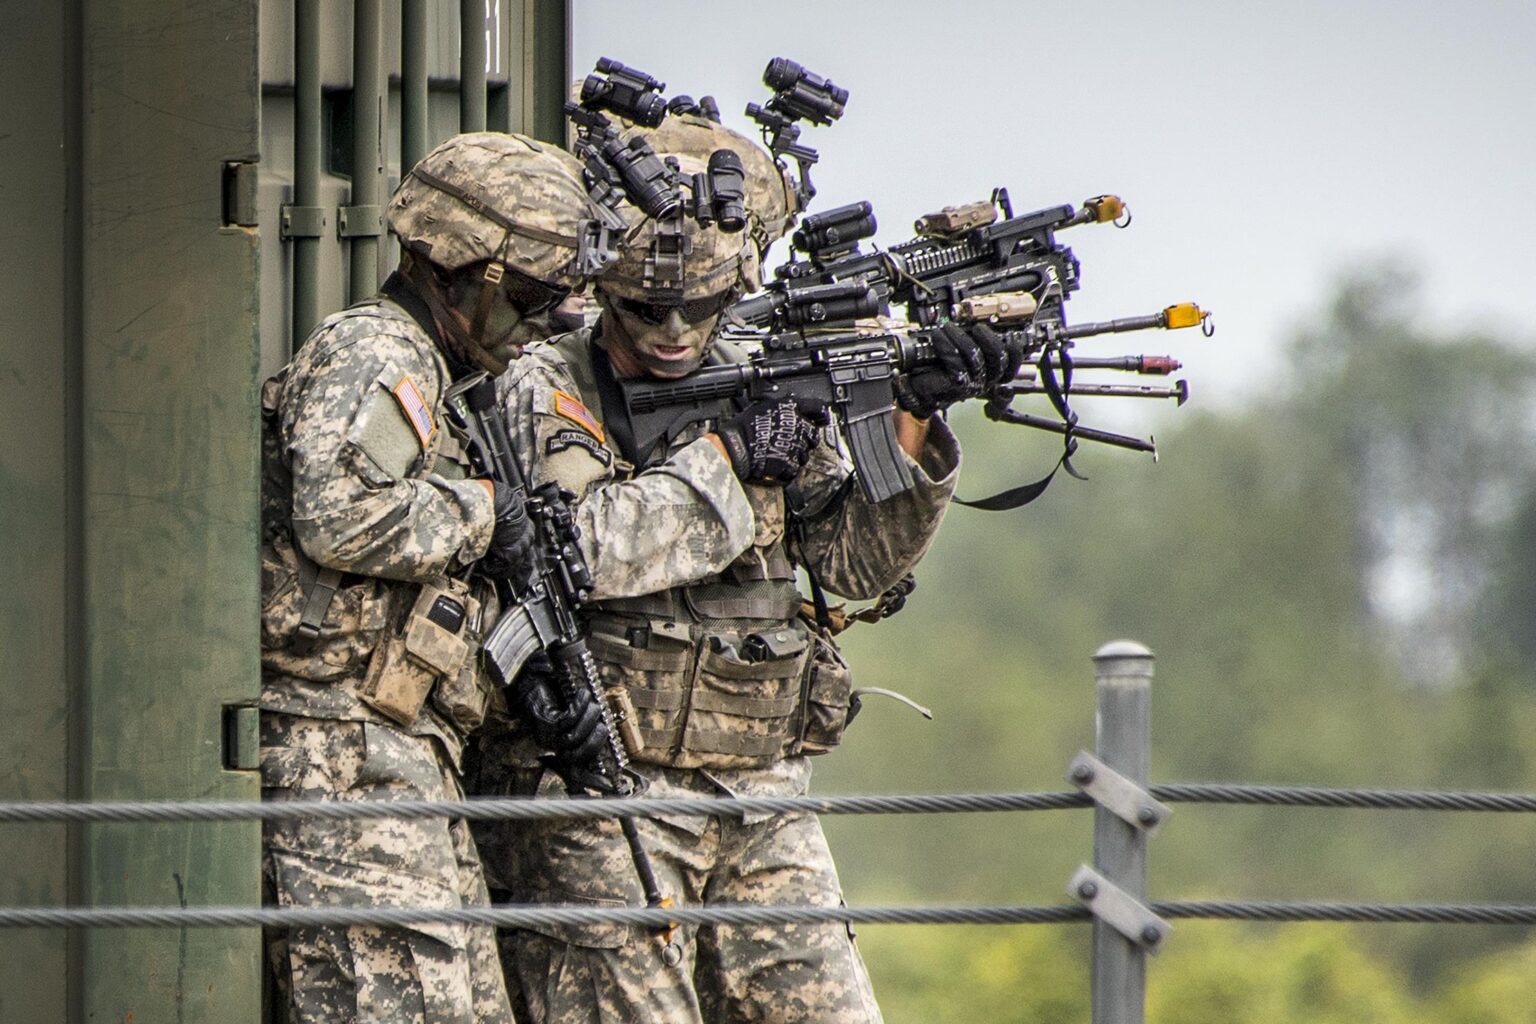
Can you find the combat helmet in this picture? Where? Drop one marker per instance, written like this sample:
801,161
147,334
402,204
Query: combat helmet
712,260
489,195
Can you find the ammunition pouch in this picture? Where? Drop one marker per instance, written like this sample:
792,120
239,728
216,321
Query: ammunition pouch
429,652
826,698
729,701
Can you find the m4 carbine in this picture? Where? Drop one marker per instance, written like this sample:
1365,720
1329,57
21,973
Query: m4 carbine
539,613
855,373
959,253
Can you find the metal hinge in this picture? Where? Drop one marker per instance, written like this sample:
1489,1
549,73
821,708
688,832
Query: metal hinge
240,208
242,738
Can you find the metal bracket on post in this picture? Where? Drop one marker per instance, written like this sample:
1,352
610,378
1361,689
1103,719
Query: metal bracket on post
1118,909
302,222
360,221
1122,797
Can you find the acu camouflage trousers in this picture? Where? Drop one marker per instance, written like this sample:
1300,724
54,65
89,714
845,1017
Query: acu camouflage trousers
619,975
426,974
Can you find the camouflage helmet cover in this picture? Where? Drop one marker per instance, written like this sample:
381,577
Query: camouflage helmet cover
717,260
489,195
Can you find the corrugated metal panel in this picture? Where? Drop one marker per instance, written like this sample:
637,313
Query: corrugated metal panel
526,94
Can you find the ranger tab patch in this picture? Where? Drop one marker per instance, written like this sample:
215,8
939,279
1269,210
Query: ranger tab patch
415,409
571,408
560,440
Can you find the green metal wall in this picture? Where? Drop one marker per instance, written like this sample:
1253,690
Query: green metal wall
129,491
37,376
135,327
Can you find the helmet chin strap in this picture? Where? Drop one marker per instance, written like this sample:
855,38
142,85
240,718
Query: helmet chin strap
448,319
490,284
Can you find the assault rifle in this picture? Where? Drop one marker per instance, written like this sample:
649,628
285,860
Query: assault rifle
855,373
539,614
959,252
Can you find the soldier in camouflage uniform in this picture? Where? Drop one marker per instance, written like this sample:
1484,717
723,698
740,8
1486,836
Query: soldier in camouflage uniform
697,629
370,680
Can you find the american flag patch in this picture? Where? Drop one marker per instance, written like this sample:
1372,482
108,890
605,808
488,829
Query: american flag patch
415,409
572,409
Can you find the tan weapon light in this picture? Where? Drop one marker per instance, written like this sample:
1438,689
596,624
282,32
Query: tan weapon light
953,220
1105,208
997,308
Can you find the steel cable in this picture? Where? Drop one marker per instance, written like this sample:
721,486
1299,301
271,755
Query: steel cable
509,809
539,916
1318,796
515,809
520,916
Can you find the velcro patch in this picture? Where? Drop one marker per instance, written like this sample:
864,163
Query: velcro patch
563,439
570,407
415,409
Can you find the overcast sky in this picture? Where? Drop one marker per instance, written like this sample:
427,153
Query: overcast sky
1262,147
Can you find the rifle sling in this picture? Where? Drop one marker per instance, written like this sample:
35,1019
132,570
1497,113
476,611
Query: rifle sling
1014,497
615,409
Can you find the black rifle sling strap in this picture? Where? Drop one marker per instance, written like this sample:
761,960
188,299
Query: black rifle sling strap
1014,497
615,409
795,523
1056,391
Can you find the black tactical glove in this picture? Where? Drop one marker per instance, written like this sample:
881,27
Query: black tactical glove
969,361
574,732
770,440
512,544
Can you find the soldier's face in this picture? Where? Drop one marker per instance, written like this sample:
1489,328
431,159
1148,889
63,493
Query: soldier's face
508,327
668,341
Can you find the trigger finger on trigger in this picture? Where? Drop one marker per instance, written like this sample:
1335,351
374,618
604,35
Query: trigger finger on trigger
814,410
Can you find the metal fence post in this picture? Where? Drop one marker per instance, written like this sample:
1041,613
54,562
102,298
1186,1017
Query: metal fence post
1122,673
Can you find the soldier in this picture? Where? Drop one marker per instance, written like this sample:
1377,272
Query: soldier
696,624
369,631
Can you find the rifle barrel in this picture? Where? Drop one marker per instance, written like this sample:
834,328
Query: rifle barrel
1179,392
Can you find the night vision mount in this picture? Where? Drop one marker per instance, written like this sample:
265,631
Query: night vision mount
614,170
798,95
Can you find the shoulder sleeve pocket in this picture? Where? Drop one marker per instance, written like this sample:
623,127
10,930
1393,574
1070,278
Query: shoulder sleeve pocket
386,440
